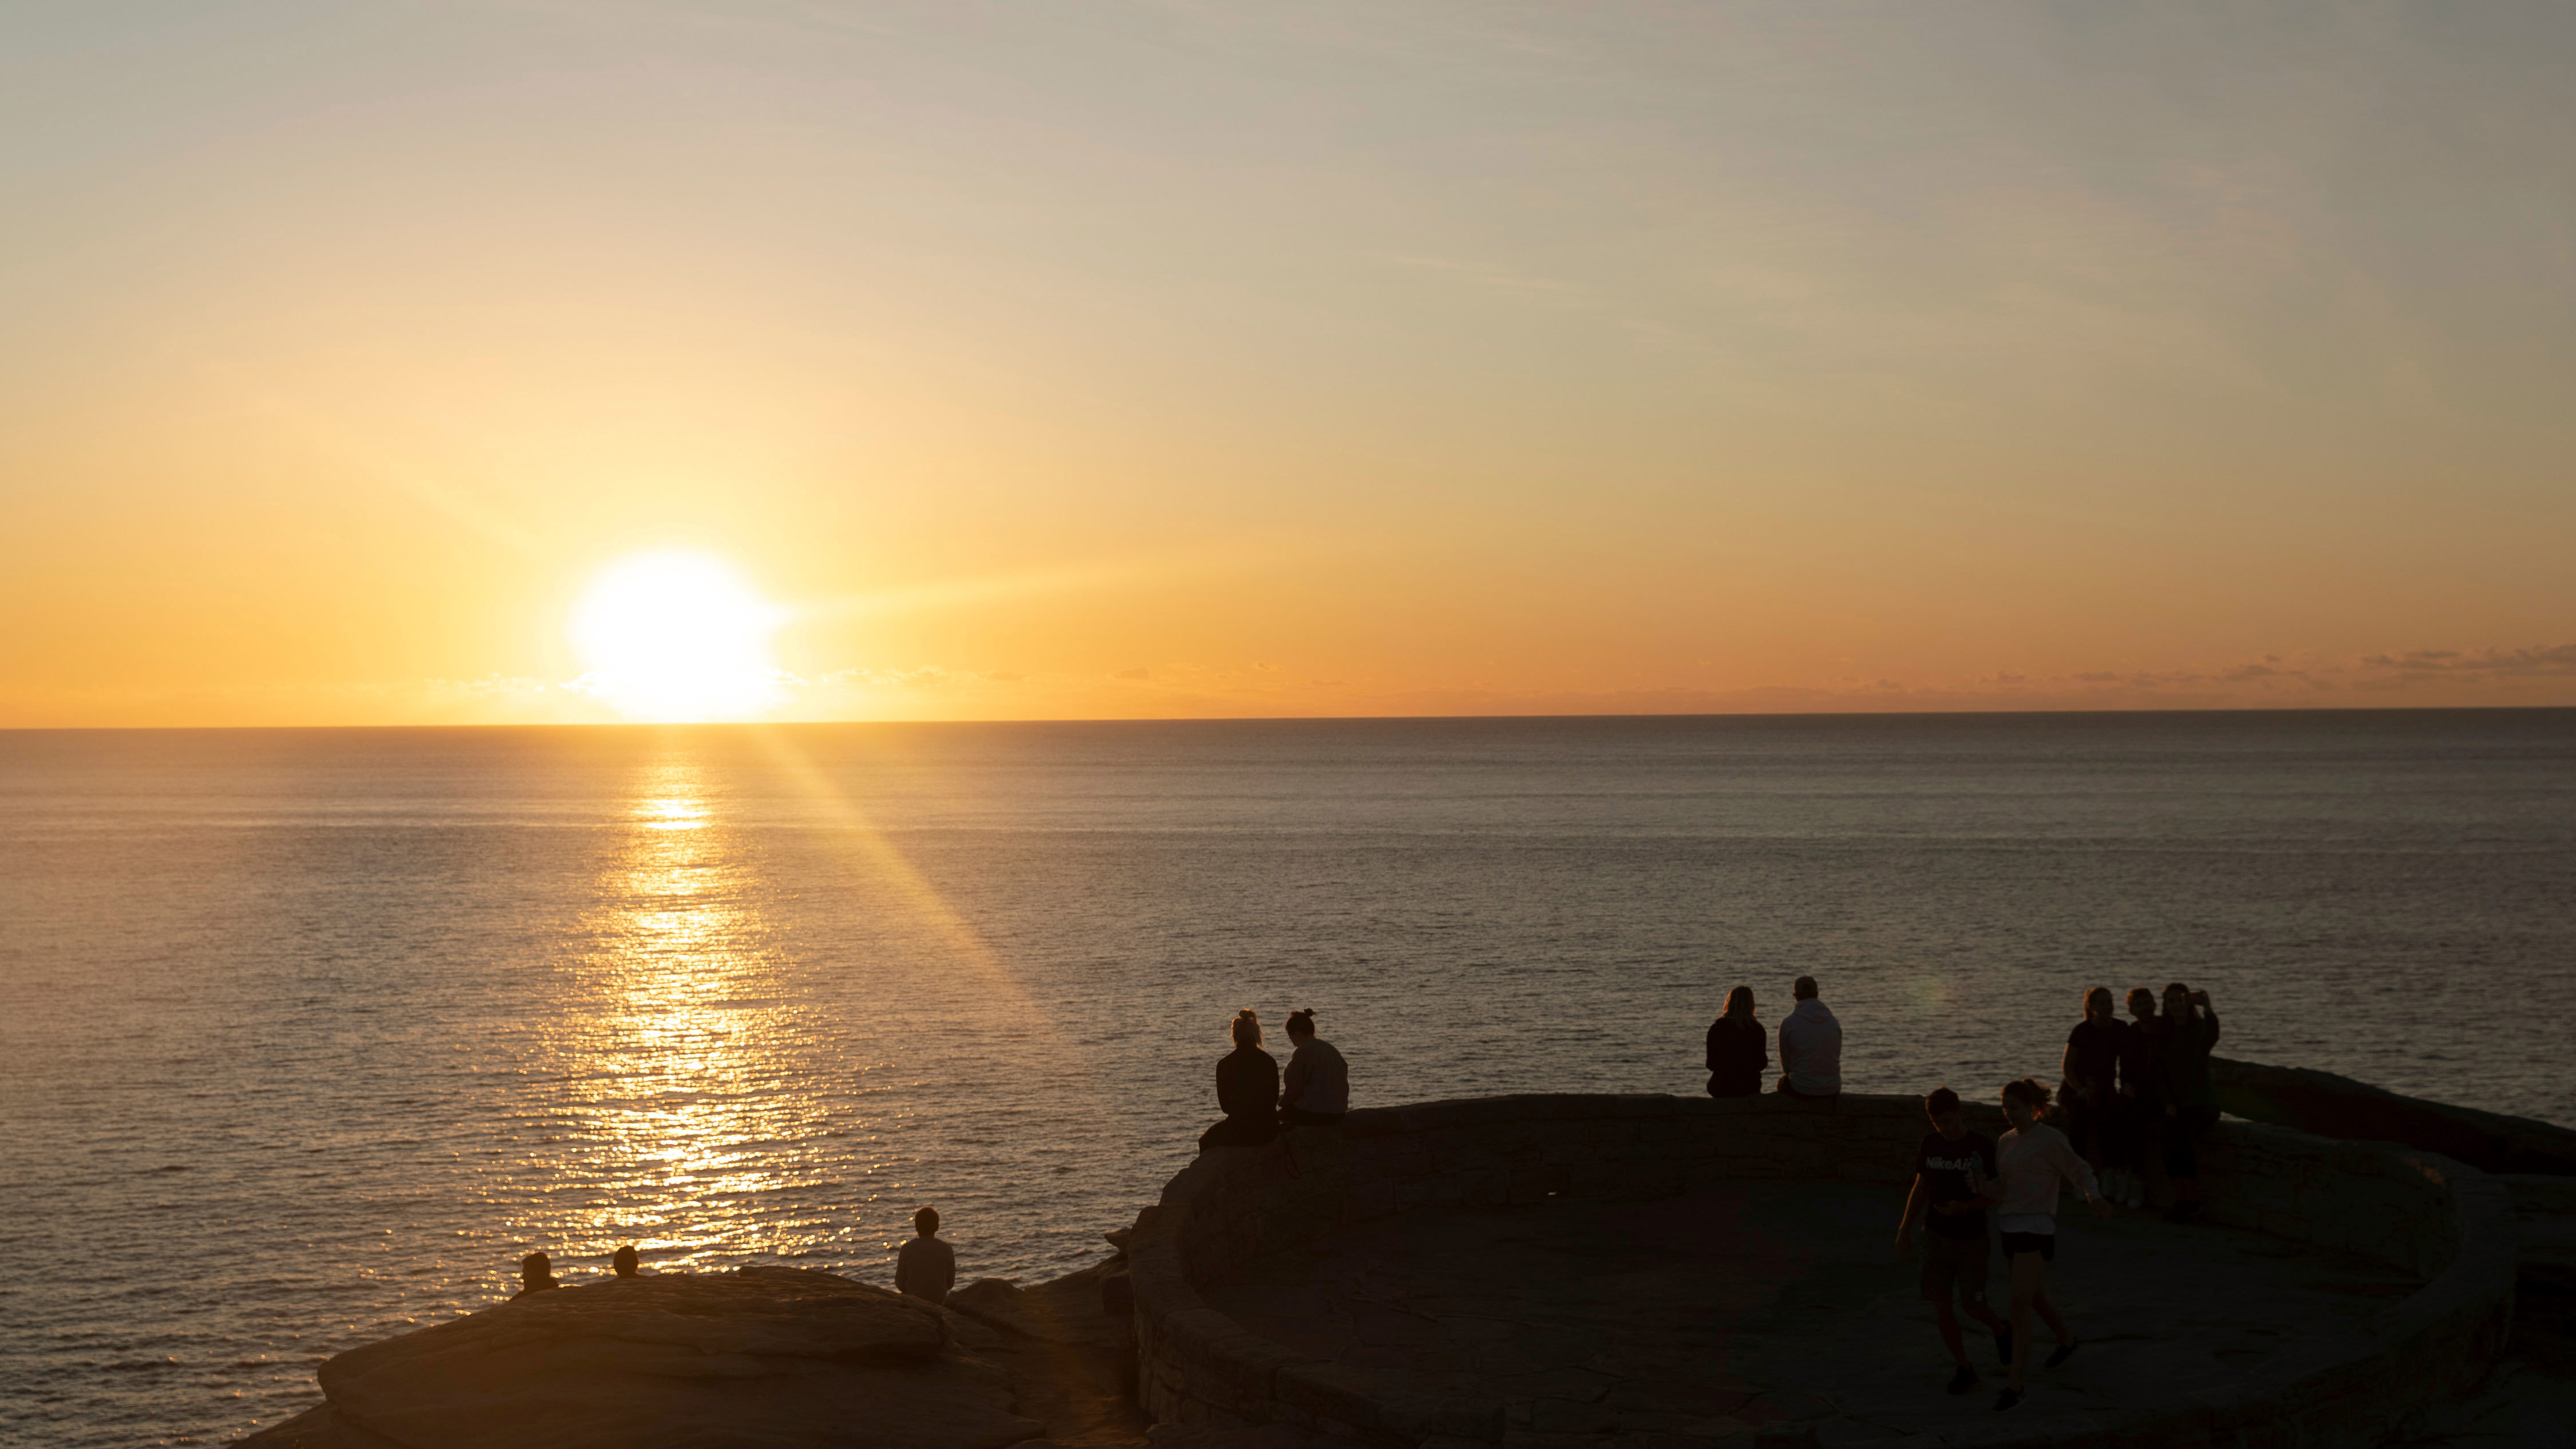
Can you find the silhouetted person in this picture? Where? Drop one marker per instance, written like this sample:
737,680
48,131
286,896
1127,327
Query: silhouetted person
2089,1084
2033,1159
1247,1090
1738,1055
1317,1088
624,1261
2142,1092
1948,1166
926,1267
1811,1046
2191,1098
536,1272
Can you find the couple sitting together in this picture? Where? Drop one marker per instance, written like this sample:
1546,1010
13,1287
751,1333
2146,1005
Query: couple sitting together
1256,1103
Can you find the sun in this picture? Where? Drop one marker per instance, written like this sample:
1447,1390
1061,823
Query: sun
677,637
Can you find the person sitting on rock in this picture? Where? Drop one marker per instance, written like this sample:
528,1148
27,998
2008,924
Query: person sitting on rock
624,1261
1247,1090
536,1272
927,1267
1811,1046
1737,1055
1318,1087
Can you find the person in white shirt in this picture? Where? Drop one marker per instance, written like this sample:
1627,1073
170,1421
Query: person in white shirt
2031,1160
1811,1046
927,1267
1316,1090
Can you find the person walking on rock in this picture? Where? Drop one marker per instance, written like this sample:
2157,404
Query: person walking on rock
1811,1046
1738,1052
1947,1167
1247,1090
925,1267
1317,1089
2033,1158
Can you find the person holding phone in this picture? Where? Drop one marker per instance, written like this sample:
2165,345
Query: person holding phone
2191,1098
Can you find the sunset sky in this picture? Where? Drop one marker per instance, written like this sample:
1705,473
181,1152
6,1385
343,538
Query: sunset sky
1072,360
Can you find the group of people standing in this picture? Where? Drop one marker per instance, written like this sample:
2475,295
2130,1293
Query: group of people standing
2130,1093
2139,1089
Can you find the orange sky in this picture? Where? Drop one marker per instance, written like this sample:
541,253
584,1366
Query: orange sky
1193,359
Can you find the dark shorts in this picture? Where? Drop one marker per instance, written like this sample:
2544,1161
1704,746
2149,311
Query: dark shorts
2044,1244
1954,1265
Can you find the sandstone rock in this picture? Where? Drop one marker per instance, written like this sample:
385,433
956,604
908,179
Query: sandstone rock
755,1359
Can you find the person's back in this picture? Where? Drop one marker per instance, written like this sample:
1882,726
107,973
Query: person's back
1811,1046
925,1267
1737,1052
1247,1090
1247,1082
1317,1088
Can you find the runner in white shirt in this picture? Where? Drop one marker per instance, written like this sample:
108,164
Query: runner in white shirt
2032,1159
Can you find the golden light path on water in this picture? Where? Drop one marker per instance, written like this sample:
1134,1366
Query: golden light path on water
718,1110
683,1038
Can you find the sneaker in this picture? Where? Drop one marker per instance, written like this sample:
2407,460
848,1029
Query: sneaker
2007,1399
2064,1352
2003,1347
1964,1380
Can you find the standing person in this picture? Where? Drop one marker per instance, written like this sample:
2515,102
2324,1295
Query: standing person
1738,1054
2034,1158
1247,1090
2142,1092
2089,1077
1947,1168
1317,1090
1811,1045
925,1267
2191,1098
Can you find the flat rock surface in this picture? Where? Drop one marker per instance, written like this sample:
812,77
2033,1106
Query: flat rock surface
764,1357
1763,1307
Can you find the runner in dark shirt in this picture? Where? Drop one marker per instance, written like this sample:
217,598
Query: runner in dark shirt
1949,1167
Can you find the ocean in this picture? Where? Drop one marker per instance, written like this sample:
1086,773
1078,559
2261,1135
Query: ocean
306,1035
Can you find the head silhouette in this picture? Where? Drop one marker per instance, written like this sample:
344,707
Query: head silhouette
926,1222
537,1271
1804,988
2024,1101
1301,1025
1739,1004
2142,1003
623,1260
1247,1028
2097,1004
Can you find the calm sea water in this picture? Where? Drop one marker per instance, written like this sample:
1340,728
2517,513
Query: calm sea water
305,1036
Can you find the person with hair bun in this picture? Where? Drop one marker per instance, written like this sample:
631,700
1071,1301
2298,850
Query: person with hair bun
2032,1159
1318,1087
1247,1090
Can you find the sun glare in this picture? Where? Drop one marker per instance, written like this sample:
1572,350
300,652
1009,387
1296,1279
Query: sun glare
677,637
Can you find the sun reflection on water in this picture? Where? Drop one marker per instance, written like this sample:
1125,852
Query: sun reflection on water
693,1108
